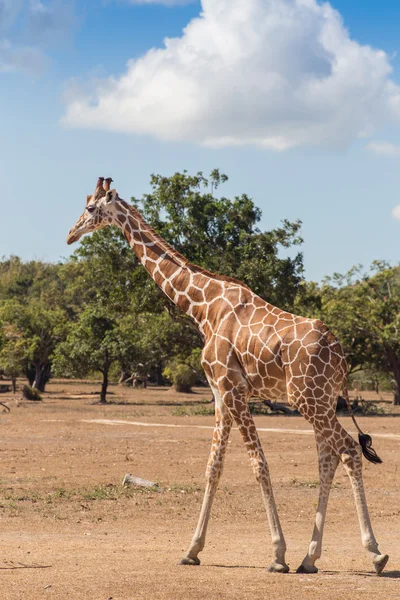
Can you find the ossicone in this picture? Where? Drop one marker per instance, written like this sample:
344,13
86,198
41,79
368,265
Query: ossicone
107,183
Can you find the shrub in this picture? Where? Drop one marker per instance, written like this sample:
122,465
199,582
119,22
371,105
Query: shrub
31,393
180,375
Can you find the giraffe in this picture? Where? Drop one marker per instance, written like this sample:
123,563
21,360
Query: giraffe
250,348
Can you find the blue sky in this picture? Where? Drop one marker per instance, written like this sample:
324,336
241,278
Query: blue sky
302,115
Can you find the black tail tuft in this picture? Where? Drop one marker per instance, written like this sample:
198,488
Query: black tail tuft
367,449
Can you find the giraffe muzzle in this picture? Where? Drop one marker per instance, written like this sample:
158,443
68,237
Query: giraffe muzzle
73,236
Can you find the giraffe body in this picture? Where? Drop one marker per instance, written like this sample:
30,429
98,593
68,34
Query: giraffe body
275,349
251,348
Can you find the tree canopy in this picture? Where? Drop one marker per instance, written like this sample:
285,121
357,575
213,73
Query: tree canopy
99,311
363,309
222,234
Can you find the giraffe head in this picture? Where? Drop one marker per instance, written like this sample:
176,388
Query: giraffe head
98,212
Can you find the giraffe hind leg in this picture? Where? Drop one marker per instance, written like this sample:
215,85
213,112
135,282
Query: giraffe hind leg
350,454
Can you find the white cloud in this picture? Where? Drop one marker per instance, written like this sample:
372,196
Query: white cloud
384,148
21,58
396,212
273,73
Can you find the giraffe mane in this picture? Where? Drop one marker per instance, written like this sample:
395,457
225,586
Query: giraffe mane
181,260
217,276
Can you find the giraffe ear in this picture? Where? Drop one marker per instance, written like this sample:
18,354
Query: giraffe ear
88,197
111,196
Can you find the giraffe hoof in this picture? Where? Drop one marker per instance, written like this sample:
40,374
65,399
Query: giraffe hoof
188,560
278,568
380,562
307,569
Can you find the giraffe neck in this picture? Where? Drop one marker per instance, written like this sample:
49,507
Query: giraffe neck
170,270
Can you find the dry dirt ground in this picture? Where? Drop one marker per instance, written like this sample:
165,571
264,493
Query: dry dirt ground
69,530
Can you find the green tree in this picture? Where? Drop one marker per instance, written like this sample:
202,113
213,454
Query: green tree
222,235
41,328
14,352
32,280
215,232
363,310
103,291
103,271
93,343
152,339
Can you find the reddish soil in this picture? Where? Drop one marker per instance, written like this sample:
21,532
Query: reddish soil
69,530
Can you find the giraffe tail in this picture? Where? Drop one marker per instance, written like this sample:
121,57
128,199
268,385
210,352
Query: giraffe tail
364,439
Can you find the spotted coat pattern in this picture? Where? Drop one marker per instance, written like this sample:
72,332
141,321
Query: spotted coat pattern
250,348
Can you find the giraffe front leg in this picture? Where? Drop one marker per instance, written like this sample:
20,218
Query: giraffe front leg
222,428
236,400
327,464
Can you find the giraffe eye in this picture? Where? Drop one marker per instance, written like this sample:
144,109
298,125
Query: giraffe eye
90,208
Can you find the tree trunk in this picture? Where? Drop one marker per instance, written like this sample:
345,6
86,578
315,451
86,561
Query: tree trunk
42,376
395,364
159,375
104,385
396,372
396,398
14,384
38,376
30,373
